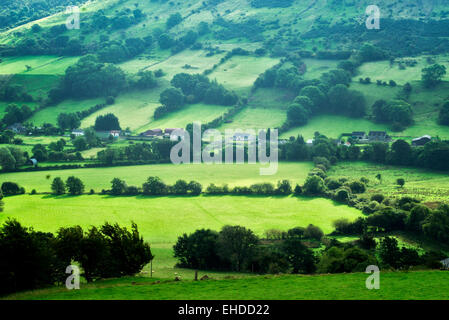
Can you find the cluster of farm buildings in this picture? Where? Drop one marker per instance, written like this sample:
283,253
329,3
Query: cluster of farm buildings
381,136
357,137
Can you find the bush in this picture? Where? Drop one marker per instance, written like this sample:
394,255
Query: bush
131,191
284,187
194,188
332,184
262,189
298,190
342,195
154,186
378,197
357,187
314,185
313,232
11,189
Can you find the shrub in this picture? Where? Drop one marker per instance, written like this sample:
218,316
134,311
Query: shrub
378,197
298,190
195,188
357,187
154,186
262,188
313,232
131,191
342,195
332,184
284,187
11,189
314,185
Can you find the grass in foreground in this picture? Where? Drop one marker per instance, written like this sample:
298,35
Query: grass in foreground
428,285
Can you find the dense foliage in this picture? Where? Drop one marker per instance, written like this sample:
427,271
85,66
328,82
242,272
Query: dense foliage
30,259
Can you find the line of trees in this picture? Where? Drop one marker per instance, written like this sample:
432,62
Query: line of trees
236,248
73,185
432,155
31,259
193,89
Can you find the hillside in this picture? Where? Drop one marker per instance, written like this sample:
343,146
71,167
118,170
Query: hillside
271,27
88,103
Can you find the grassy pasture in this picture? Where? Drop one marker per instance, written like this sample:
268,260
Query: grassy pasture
195,58
100,178
30,141
41,65
199,112
256,118
420,183
50,114
373,92
315,67
428,285
240,72
35,85
163,219
271,98
133,109
381,70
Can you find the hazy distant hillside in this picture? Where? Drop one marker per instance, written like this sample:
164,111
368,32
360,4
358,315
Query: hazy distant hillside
17,12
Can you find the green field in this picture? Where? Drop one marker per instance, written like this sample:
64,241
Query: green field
373,92
315,67
163,219
430,285
422,184
100,178
240,72
256,118
382,70
50,114
199,112
134,109
35,85
175,64
41,65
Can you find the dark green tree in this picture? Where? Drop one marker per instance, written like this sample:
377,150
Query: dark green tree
237,245
58,186
74,186
432,75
